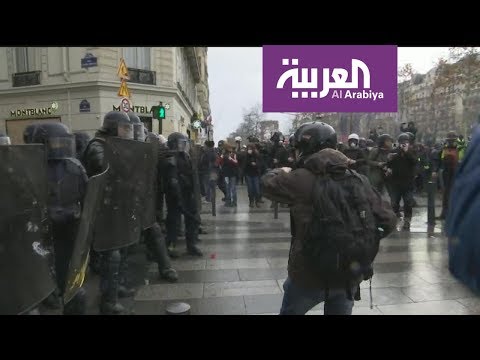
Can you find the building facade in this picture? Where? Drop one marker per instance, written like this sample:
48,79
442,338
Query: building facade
78,86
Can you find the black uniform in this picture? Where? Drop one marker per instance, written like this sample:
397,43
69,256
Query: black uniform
111,267
180,194
402,164
67,181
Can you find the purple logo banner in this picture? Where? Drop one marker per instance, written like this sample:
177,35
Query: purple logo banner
330,78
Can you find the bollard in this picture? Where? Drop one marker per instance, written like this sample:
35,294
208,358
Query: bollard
431,202
213,196
275,210
178,308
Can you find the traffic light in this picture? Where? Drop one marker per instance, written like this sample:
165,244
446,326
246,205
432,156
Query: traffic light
158,112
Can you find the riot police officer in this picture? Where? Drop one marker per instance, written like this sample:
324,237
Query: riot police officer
402,164
81,141
180,196
279,154
115,124
67,181
153,237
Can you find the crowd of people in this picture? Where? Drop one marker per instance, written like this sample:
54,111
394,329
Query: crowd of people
398,167
102,196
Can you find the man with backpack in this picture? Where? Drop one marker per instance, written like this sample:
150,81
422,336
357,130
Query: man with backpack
339,219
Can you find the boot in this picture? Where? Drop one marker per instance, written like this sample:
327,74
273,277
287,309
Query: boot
107,308
258,202
52,302
251,205
172,252
78,305
110,284
406,224
194,250
155,243
125,292
169,274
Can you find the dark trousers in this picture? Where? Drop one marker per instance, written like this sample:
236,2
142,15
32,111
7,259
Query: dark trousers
448,179
221,184
155,243
113,272
191,226
405,192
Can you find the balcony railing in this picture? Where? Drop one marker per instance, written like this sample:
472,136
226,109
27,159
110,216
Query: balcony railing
26,78
139,76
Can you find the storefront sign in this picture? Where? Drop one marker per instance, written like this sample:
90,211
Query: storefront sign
35,111
136,109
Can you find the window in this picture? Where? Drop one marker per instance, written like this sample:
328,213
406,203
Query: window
137,57
26,60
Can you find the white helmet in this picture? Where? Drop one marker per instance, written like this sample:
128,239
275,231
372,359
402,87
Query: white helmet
353,137
238,138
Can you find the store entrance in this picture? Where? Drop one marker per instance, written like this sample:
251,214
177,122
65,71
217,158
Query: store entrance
16,127
147,121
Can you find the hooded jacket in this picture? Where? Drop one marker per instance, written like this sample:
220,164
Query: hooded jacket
295,188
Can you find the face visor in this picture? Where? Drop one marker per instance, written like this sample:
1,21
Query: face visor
61,147
139,132
125,131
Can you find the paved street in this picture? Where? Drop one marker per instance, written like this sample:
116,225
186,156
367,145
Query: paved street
245,263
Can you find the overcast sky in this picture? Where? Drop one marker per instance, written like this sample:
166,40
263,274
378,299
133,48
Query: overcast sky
235,81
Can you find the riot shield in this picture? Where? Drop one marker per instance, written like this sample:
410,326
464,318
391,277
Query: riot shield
25,278
81,248
150,203
122,208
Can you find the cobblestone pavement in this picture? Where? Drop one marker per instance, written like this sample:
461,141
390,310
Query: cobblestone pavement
245,261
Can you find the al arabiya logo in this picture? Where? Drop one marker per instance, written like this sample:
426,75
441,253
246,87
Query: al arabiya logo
340,82
330,78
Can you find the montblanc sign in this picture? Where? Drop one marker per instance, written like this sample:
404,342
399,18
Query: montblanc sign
136,109
35,111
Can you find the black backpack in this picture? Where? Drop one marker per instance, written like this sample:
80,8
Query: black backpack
342,239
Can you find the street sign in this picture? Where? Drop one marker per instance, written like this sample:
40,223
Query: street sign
89,61
84,106
123,70
125,105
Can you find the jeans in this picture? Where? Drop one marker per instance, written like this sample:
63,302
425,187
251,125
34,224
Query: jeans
397,192
298,301
231,185
253,186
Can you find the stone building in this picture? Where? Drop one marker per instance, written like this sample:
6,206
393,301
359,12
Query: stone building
79,85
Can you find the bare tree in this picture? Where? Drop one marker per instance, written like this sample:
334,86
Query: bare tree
464,76
250,125
405,77
438,92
